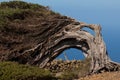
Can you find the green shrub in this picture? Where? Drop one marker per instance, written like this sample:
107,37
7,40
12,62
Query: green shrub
20,5
13,10
12,14
15,71
20,10
7,15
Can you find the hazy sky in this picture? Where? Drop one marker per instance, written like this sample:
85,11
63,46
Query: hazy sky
104,12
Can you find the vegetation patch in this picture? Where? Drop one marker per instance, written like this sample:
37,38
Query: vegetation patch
15,71
19,10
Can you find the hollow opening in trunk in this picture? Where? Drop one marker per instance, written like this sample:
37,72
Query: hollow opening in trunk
70,59
89,30
71,54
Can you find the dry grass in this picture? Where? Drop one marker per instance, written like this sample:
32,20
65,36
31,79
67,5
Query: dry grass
103,76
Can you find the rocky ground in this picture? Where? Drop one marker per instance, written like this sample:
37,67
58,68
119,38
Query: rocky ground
74,69
60,65
68,70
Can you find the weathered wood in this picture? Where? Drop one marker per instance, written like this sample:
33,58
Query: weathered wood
67,33
69,36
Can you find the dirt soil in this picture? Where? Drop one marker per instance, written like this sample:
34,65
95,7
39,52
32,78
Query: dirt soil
103,76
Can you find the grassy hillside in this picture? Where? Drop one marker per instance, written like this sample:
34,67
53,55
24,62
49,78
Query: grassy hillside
18,10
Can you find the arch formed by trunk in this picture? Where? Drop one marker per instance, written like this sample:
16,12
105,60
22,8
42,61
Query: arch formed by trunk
72,35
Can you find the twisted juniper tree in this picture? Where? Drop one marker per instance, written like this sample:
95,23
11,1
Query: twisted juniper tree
41,35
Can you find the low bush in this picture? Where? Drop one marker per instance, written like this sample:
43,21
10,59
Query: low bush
20,10
20,5
15,71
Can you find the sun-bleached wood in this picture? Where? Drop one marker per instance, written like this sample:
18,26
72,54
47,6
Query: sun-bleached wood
73,36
